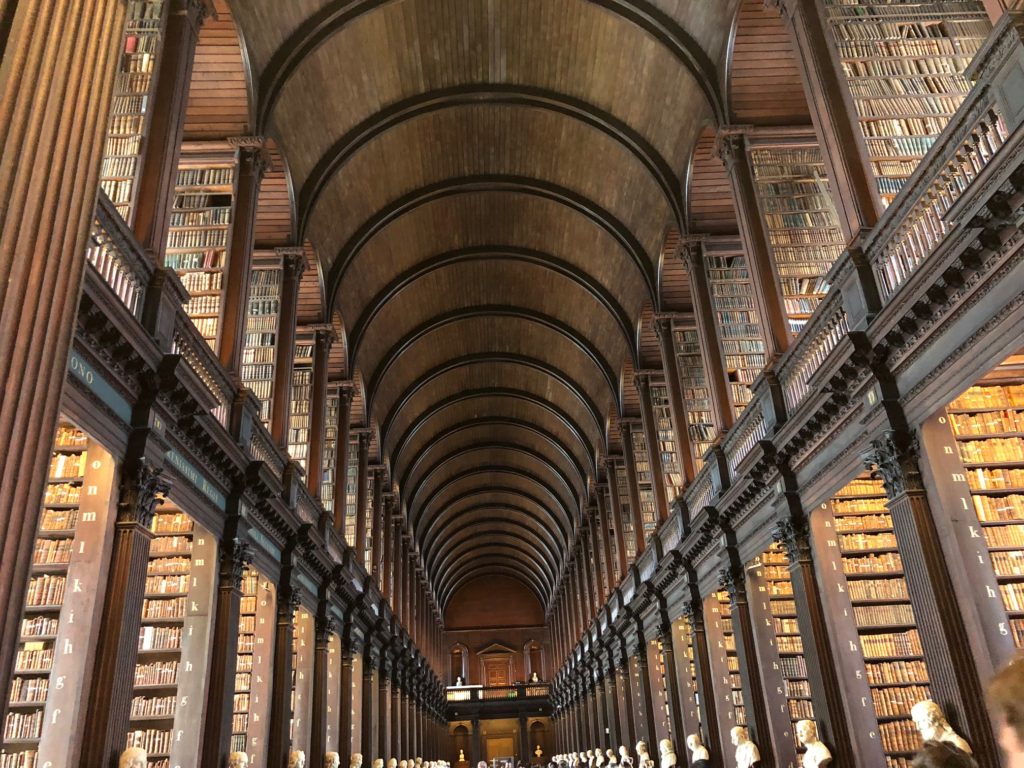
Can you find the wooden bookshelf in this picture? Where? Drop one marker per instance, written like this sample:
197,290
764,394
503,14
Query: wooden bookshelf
368,515
170,672
668,451
659,690
780,649
130,105
737,318
333,733
251,705
644,481
259,353
330,462
725,665
351,490
626,512
686,674
299,423
302,679
696,392
886,626
904,65
801,221
53,645
197,241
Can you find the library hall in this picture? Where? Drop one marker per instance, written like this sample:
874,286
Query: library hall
512,383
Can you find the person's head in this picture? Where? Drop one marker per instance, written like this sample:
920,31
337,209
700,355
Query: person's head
806,731
1006,694
941,754
738,735
133,757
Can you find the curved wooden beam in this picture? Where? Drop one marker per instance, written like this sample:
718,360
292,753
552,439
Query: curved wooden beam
425,481
540,259
483,184
517,424
334,17
454,530
584,345
502,94
505,568
445,582
494,540
478,358
489,392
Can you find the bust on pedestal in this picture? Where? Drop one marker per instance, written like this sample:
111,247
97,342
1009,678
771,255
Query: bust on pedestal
133,757
297,759
668,753
817,754
625,759
643,758
699,755
933,726
610,757
238,760
747,753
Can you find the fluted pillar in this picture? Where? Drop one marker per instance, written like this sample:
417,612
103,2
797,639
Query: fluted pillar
345,394
293,265
322,341
278,742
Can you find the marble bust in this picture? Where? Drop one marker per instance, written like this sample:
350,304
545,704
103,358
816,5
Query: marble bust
817,754
462,756
624,757
377,763
933,726
598,757
610,757
238,760
668,754
643,758
297,759
699,755
133,757
747,753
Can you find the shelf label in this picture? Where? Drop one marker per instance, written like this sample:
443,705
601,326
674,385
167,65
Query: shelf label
99,386
194,476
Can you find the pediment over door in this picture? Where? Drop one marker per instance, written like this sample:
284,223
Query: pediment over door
496,664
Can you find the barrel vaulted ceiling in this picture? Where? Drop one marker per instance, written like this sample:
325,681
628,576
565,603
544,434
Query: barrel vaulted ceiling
488,185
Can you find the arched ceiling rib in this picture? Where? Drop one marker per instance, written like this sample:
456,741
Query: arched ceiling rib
488,185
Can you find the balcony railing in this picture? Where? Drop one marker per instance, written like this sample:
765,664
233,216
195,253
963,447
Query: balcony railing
498,693
113,251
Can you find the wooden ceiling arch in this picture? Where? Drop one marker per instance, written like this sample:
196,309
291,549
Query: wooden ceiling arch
483,518
474,569
505,546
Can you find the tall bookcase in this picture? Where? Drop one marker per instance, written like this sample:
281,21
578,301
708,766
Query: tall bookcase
368,515
626,511
302,679
885,623
170,672
737,318
668,451
302,397
259,353
686,674
725,664
659,690
904,65
330,463
780,649
987,422
351,490
696,393
197,242
644,481
803,228
130,106
251,704
48,680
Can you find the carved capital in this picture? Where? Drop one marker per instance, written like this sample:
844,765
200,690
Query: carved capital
140,487
663,328
730,147
691,252
325,626
253,157
346,393
364,440
293,260
894,457
642,381
732,580
235,555
795,537
693,610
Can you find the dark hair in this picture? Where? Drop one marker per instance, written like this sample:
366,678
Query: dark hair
939,754
1006,692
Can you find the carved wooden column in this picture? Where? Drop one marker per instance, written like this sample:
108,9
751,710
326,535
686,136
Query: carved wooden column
397,713
235,555
384,740
477,741
621,661
278,742
110,695
361,497
611,698
711,353
346,686
643,704
629,467
324,627
611,467
675,699
387,581
372,717
400,567
853,185
56,78
952,672
599,707
158,170
322,341
693,610
677,407
376,536
346,391
643,387
732,149
733,579
252,163
293,265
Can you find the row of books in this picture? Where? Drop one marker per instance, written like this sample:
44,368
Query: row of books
1005,536
36,626
862,522
987,422
1013,596
26,759
29,690
900,736
865,541
204,217
886,563
197,238
45,590
202,281
157,673
207,327
34,657
159,638
63,493
995,449
883,615
171,544
67,465
205,177
164,585
154,741
1008,564
991,509
990,397
168,564
207,259
19,726
158,706
896,673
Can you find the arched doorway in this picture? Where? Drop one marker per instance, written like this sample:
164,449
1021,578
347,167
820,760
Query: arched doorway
457,658
538,738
